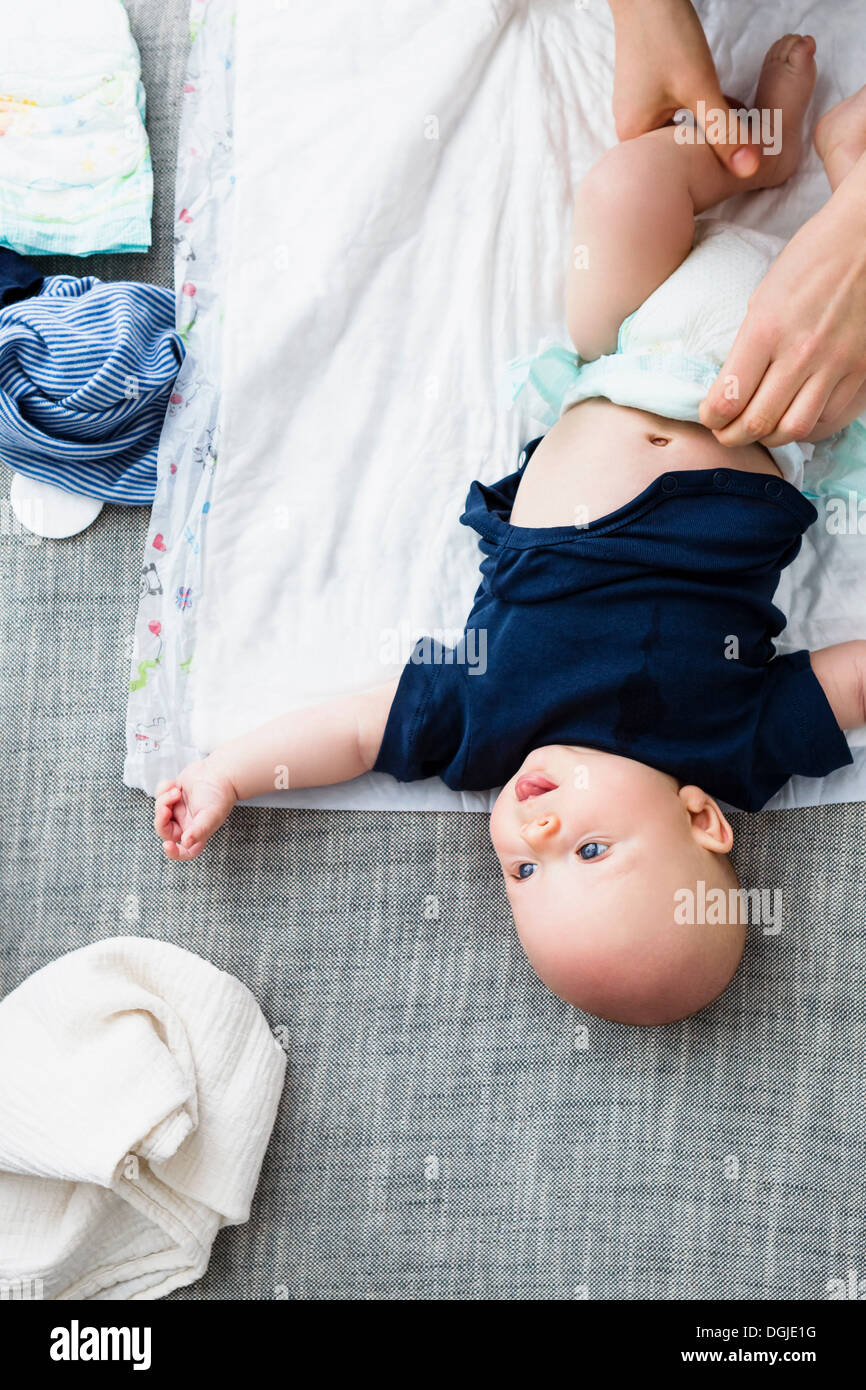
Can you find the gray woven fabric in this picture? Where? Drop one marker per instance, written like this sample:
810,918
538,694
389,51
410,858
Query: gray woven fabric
447,1130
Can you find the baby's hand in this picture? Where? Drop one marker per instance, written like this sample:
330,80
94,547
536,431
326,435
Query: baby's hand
189,810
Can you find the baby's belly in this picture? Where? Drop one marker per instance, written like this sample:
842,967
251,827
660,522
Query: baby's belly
600,455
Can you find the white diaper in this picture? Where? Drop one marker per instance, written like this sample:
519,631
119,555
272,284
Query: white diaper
669,351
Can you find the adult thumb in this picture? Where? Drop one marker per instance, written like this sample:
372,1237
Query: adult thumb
722,131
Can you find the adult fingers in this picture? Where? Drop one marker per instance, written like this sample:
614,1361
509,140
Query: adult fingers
840,398
737,381
764,409
802,415
722,134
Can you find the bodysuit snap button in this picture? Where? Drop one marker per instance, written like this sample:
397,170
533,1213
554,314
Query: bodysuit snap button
669,484
773,488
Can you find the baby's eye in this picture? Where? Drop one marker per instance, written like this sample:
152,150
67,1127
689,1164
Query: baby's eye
592,850
525,870
659,439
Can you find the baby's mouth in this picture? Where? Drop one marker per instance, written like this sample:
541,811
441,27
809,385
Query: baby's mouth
533,784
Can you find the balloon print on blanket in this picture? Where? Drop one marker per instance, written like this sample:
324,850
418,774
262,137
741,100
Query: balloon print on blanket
148,664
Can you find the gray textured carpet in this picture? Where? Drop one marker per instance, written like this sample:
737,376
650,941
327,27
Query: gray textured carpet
447,1130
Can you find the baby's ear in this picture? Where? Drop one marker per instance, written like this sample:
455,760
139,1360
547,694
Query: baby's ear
709,826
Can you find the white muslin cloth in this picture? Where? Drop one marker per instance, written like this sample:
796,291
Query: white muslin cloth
138,1089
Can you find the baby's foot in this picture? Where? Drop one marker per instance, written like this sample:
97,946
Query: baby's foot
784,91
840,136
188,811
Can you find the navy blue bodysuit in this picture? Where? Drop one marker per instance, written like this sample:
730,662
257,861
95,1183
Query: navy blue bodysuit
647,633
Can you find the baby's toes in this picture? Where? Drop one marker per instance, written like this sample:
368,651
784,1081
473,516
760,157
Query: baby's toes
794,51
800,52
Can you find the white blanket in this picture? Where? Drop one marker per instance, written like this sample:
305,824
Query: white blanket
138,1090
396,233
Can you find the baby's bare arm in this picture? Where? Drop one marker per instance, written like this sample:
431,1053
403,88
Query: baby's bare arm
841,671
311,747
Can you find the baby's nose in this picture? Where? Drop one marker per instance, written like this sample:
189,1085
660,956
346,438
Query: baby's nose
536,832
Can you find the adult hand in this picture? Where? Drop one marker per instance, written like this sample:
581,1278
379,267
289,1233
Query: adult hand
663,65
799,359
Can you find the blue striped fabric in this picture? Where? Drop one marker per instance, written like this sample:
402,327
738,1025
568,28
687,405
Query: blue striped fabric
86,371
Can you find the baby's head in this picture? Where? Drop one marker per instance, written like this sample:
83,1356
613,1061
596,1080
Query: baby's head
600,854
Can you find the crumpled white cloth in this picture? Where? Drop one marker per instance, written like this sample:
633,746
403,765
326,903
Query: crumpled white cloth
138,1089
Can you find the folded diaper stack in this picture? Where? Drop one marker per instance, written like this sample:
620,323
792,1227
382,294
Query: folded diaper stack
138,1089
75,172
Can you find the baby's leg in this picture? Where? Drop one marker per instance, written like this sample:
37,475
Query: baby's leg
635,210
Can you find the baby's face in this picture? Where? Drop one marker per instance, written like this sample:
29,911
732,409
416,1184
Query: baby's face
594,849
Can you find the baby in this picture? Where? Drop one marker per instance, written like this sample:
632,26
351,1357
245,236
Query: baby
626,600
